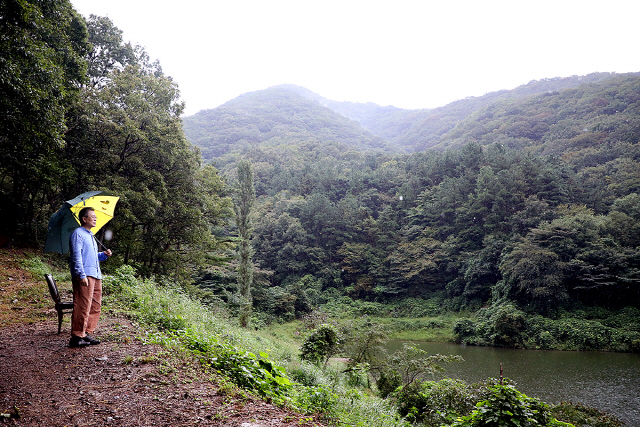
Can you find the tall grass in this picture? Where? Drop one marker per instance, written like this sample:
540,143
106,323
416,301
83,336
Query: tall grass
173,318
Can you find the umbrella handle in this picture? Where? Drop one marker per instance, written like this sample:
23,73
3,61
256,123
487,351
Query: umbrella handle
99,242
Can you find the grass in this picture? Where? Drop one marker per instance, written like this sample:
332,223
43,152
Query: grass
171,318
433,329
24,296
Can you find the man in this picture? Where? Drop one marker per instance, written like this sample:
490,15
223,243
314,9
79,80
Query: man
87,280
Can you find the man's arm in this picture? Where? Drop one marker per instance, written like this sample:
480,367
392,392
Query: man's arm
102,256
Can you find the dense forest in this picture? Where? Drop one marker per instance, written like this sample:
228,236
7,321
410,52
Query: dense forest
82,110
516,214
517,208
526,204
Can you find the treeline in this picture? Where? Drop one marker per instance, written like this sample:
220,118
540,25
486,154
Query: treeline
82,110
464,228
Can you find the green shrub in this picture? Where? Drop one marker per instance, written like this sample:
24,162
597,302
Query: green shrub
434,403
464,329
504,325
388,382
628,318
249,371
317,399
501,325
584,416
507,407
320,345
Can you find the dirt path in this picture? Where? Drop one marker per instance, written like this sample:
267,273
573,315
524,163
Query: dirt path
121,382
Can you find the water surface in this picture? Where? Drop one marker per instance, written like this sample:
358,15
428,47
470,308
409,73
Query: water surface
607,381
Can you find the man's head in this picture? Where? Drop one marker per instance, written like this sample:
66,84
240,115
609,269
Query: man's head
87,217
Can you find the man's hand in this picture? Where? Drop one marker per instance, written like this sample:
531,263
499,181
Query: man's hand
108,252
84,282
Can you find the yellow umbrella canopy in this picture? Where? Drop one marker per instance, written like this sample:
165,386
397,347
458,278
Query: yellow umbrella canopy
65,220
103,203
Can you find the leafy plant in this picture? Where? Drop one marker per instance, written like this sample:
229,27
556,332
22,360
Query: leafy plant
507,407
252,372
434,403
320,345
584,416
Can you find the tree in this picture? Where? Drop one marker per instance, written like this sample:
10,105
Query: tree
320,345
535,274
245,198
126,136
109,53
42,49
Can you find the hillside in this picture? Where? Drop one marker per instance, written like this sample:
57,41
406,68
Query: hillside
289,113
274,115
122,382
536,177
557,121
417,130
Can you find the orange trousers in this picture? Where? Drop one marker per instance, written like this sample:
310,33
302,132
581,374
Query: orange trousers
87,301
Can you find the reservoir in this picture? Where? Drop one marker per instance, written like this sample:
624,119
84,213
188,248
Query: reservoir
606,381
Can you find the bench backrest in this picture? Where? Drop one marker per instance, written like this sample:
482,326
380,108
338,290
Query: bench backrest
53,288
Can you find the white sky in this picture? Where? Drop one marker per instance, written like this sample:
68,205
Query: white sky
410,54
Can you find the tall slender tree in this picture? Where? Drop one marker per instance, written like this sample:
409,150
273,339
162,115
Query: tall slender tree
245,198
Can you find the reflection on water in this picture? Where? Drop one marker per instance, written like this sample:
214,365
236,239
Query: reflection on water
607,381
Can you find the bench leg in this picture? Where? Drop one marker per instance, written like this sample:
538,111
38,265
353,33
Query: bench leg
59,320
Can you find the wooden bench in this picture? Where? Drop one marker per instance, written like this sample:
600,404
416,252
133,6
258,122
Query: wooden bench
61,306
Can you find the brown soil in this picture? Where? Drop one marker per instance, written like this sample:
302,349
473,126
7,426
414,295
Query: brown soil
121,382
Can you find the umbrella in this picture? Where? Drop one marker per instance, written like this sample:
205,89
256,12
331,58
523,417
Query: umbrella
65,220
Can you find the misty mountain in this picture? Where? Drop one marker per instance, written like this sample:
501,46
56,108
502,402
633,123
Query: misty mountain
534,116
277,116
417,130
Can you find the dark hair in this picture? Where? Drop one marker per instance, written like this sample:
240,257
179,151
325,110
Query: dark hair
83,212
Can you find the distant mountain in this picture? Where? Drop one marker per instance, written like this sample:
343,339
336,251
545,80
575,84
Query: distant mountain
557,122
417,130
532,116
275,115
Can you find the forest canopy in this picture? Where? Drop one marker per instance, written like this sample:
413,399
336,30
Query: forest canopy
83,110
531,199
518,200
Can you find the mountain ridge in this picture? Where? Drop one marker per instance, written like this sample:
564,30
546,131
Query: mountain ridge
289,113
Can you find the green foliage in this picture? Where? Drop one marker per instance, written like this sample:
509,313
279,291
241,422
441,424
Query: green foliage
252,372
504,325
318,399
411,365
244,200
271,115
500,325
42,66
320,345
505,407
579,334
362,342
584,416
433,403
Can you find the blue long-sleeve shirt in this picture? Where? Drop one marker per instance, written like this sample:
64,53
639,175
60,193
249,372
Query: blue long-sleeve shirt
85,259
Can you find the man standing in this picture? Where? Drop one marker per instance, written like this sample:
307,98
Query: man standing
87,280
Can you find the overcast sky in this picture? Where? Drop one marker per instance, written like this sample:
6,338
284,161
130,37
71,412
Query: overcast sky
410,54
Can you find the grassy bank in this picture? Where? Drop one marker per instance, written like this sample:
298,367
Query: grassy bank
266,363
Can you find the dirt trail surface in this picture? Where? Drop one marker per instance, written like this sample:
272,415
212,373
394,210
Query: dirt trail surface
120,382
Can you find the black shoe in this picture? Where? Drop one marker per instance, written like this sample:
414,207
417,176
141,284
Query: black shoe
76,342
91,340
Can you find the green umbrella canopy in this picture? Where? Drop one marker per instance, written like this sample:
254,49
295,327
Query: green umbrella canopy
65,220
